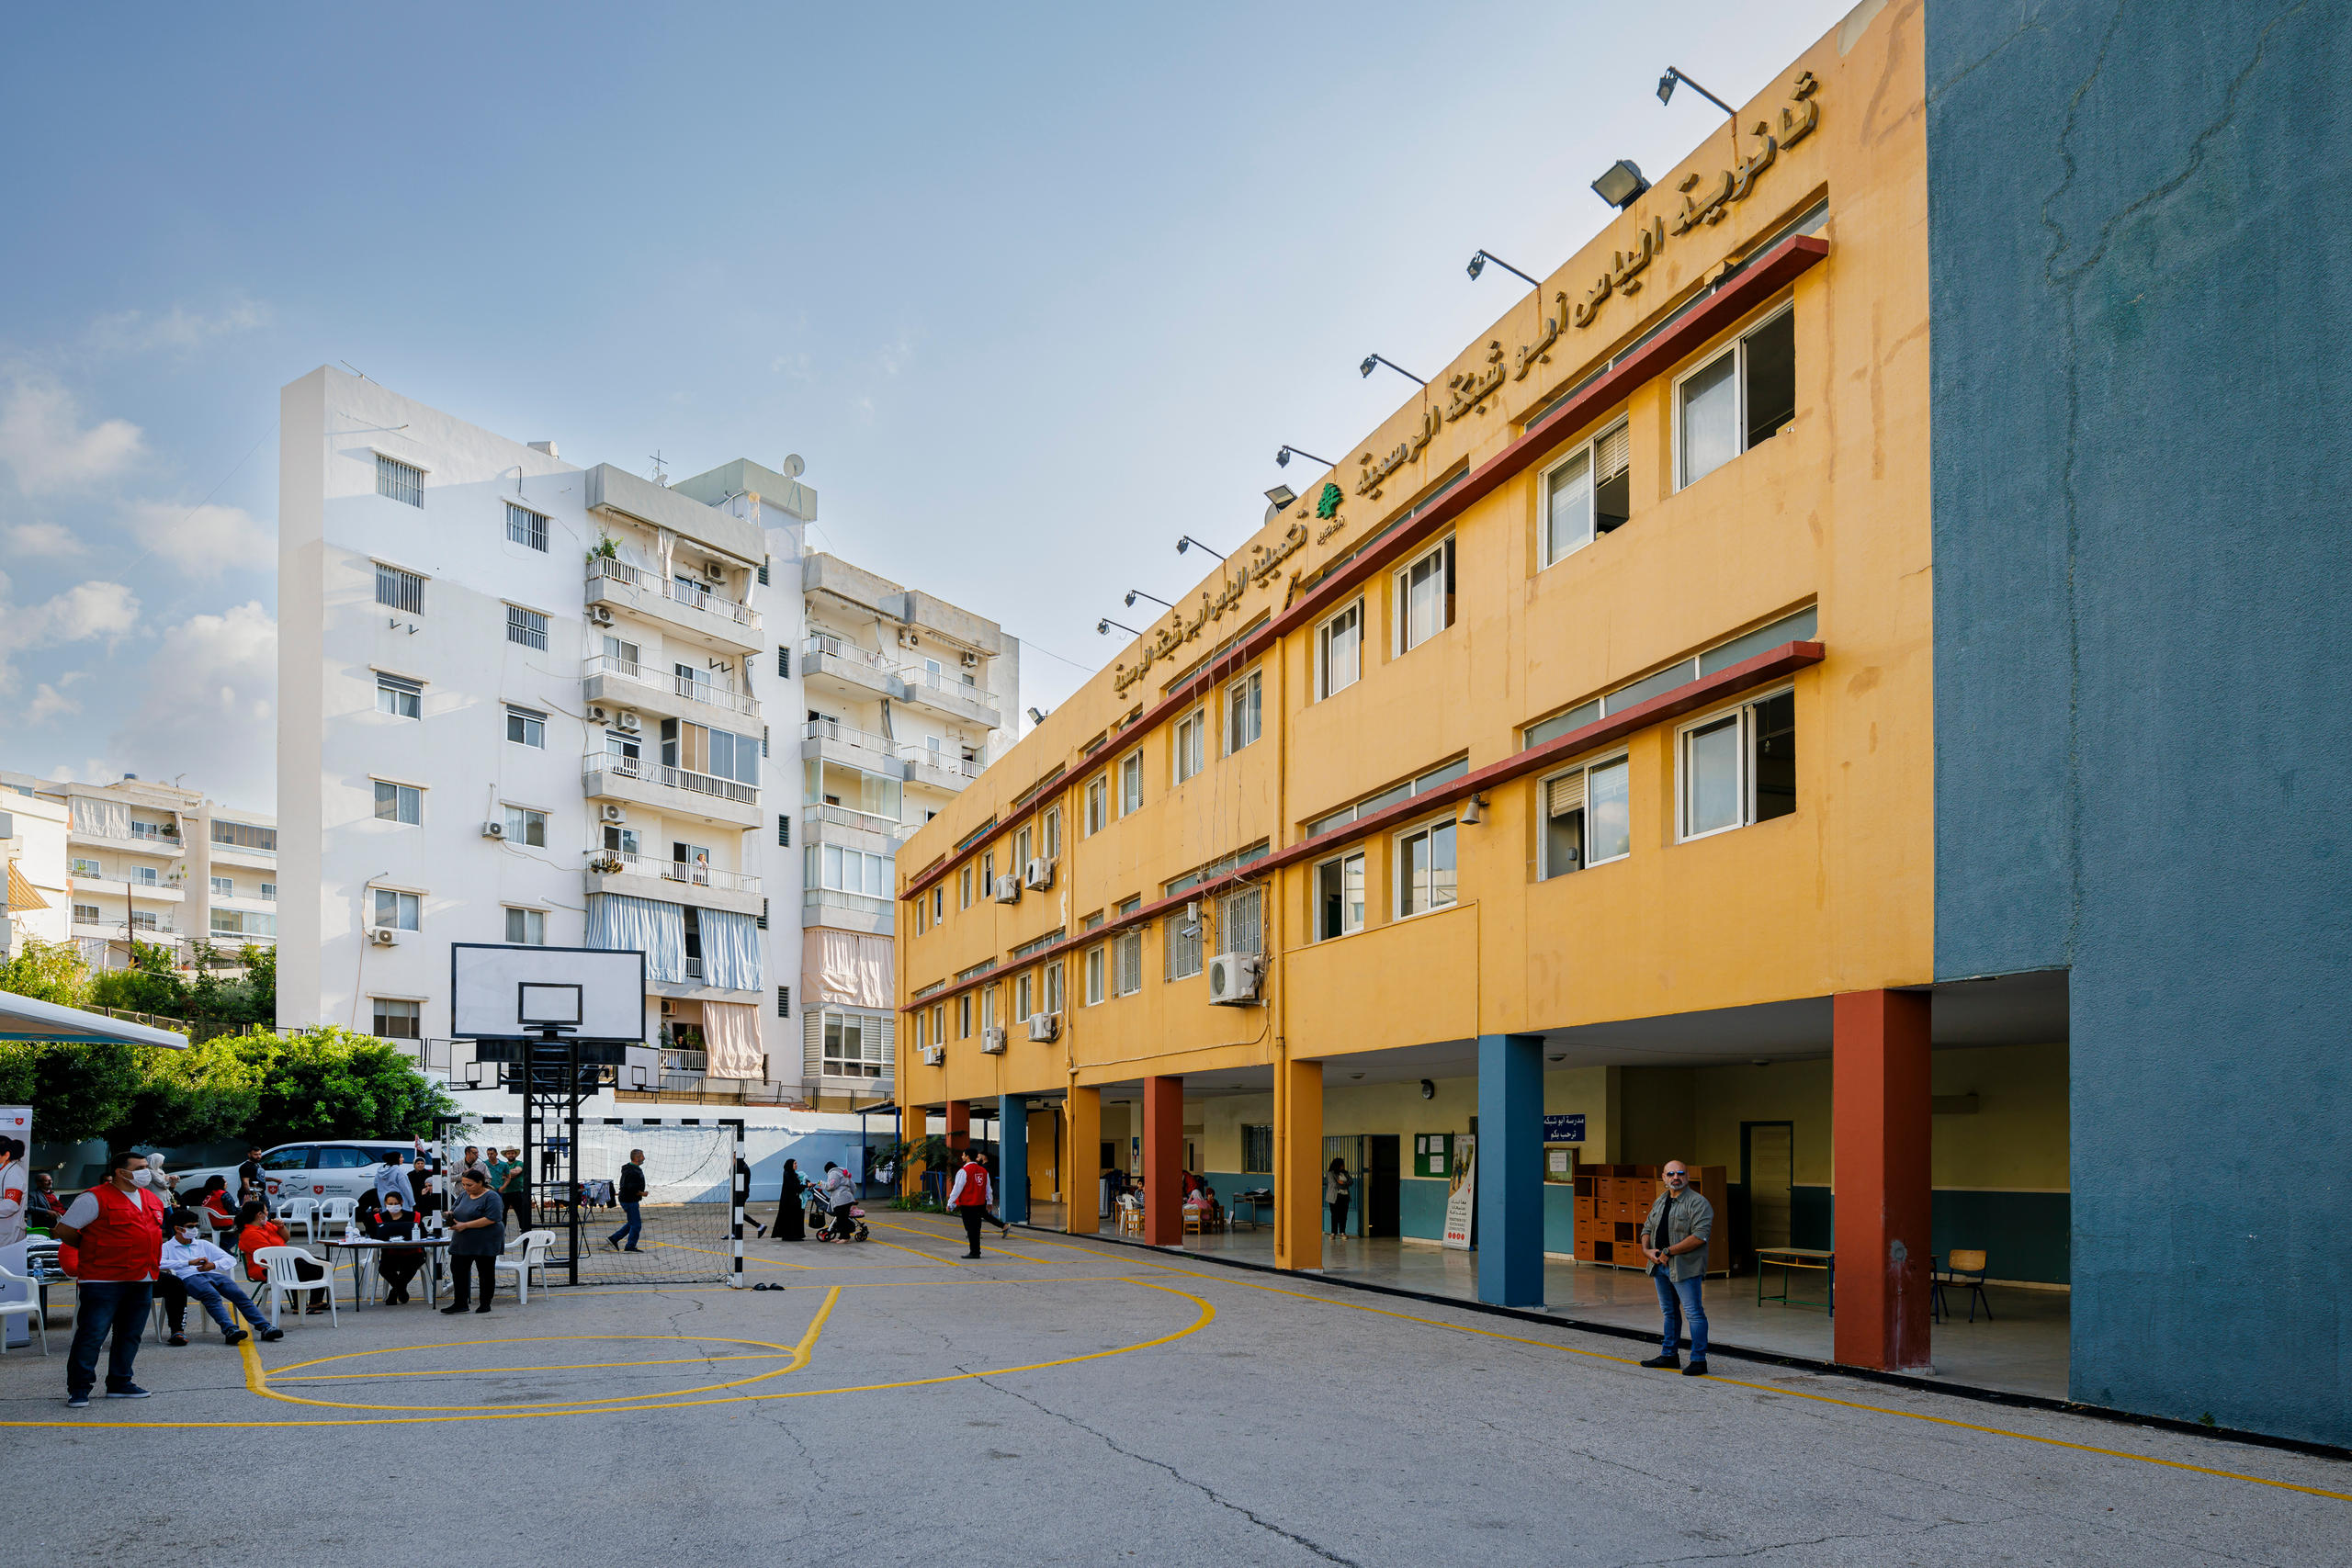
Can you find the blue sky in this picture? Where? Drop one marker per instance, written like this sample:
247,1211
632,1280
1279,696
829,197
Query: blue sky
1033,290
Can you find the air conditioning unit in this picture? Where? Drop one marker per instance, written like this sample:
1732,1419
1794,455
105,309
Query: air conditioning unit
611,811
933,1055
1045,1026
384,936
1039,875
715,571
628,723
1008,889
600,615
971,662
665,1007
992,1039
597,715
908,638
493,830
1234,978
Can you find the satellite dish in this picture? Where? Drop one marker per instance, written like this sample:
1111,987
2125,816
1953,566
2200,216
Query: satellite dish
794,466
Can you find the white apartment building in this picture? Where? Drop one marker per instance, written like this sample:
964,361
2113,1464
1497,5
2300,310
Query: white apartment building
524,701
139,861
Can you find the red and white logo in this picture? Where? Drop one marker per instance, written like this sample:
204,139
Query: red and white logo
272,1188
319,1187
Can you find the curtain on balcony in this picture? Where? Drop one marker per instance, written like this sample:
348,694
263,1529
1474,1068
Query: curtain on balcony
108,818
731,950
730,1033
620,924
851,968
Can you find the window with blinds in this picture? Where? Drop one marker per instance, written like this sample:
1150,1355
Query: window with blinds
1586,494
1585,819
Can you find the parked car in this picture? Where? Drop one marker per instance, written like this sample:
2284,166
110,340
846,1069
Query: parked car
329,1168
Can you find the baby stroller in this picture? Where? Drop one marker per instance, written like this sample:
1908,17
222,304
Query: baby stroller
820,1219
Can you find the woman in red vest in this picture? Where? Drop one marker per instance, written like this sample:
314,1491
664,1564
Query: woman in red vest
114,1241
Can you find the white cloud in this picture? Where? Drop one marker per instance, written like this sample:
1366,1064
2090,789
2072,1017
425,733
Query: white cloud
204,539
43,438
208,707
176,330
86,610
49,703
51,541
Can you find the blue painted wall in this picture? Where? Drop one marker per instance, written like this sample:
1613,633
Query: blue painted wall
2142,342
1420,1206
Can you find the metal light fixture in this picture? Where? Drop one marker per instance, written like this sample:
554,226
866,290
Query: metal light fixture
1135,593
1478,260
1102,627
1372,360
1282,458
1620,183
1666,94
1185,542
1474,813
1282,496
1037,716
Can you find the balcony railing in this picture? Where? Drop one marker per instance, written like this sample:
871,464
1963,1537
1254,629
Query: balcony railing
692,595
945,763
611,862
596,762
881,746
677,685
822,647
817,818
858,903
940,683
155,832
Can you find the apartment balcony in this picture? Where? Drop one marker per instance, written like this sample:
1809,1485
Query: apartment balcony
610,681
946,693
697,612
854,830
829,664
938,769
847,911
826,740
672,882
148,842
241,856
119,888
635,781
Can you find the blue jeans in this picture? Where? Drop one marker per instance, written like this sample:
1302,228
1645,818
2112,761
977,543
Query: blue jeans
635,1226
1678,1300
218,1292
123,1308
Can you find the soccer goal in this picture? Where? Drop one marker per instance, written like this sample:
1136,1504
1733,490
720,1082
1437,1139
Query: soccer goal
689,1225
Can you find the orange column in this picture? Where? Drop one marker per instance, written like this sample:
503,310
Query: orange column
1163,1161
1082,1164
1298,1164
1883,1197
959,1123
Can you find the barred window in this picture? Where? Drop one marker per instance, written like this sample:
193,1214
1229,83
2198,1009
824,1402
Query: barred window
1127,959
399,481
1257,1150
526,626
1238,926
525,527
398,590
1183,943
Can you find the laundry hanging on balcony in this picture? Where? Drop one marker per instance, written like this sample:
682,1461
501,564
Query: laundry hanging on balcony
851,968
620,923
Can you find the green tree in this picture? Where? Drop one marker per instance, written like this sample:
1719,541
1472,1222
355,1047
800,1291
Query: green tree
331,1082
205,1094
48,972
76,1092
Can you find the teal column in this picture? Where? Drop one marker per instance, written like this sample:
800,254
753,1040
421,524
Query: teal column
1012,1159
1510,1223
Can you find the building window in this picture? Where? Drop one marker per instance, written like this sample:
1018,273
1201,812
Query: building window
146,876
1244,720
524,826
1131,784
399,481
401,698
1425,873
1183,944
1053,987
525,527
394,910
525,727
1093,975
1588,494
849,1052
1738,768
964,889
988,1007
1020,842
1257,1150
1339,897
86,914
399,803
397,1020
84,866
621,841
1338,652
1239,927
526,626
1585,818
844,871
988,874
1425,597
244,836
964,1016
223,887
145,921
1098,804
528,927
269,892
243,923
1190,744
938,905
1022,994
1126,963
1741,397
398,590
1052,832
716,753
939,1024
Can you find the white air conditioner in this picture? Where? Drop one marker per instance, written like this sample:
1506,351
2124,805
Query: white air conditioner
1039,875
610,811
600,615
933,1055
908,638
971,662
992,1039
1233,977
628,723
1008,889
493,830
384,936
1045,1026
715,571
597,715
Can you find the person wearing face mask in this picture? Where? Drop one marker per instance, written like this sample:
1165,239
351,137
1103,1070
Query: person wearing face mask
114,1241
397,1264
15,1192
194,1267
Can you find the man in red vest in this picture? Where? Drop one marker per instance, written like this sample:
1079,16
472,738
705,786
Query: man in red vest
969,1197
114,1242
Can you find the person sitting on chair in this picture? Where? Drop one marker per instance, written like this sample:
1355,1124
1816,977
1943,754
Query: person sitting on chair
256,1230
396,1265
218,1214
196,1268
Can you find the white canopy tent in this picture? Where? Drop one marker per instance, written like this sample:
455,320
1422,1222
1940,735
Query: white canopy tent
22,1018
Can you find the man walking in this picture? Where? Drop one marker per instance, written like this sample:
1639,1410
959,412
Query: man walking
969,1198
114,1242
1674,1238
632,1196
514,1188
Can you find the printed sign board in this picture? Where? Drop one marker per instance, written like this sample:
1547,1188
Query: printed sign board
1564,1129
1462,1198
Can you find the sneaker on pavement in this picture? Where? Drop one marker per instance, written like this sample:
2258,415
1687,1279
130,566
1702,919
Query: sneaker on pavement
176,1338
133,1392
77,1402
1663,1361
1697,1368
235,1336
272,1336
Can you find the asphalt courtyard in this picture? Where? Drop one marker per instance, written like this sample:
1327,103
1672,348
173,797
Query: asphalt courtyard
1068,1402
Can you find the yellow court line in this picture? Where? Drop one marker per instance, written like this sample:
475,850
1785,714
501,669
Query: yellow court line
277,1379
951,1237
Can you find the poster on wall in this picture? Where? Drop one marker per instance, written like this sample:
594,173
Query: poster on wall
17,1122
1462,1196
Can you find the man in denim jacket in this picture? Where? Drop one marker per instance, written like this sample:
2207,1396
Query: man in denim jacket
1674,1238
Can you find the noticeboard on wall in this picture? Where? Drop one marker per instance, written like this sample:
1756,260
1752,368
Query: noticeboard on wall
1433,1155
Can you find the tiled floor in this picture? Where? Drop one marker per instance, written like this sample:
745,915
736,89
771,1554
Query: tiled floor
2023,1350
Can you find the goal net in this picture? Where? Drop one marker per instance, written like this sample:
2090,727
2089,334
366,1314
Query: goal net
687,1223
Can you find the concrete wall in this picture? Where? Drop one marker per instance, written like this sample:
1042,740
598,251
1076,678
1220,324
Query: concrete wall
2141,312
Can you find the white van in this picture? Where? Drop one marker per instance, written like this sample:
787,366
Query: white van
329,1168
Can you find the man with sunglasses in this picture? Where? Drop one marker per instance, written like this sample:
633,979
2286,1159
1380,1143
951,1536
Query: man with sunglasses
1674,1238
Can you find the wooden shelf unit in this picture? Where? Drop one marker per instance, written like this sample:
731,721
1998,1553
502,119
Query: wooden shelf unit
1611,1202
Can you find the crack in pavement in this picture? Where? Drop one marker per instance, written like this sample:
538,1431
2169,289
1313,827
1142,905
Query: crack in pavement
1204,1490
1810,1541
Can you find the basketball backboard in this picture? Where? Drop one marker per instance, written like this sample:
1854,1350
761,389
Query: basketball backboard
511,992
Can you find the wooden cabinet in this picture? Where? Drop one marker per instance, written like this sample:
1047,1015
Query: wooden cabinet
1611,1202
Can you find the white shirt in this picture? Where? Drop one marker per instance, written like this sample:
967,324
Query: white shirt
179,1257
13,1183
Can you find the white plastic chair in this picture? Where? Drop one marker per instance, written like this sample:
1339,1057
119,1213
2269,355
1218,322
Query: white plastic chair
286,1281
337,1212
298,1211
23,1309
534,1256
